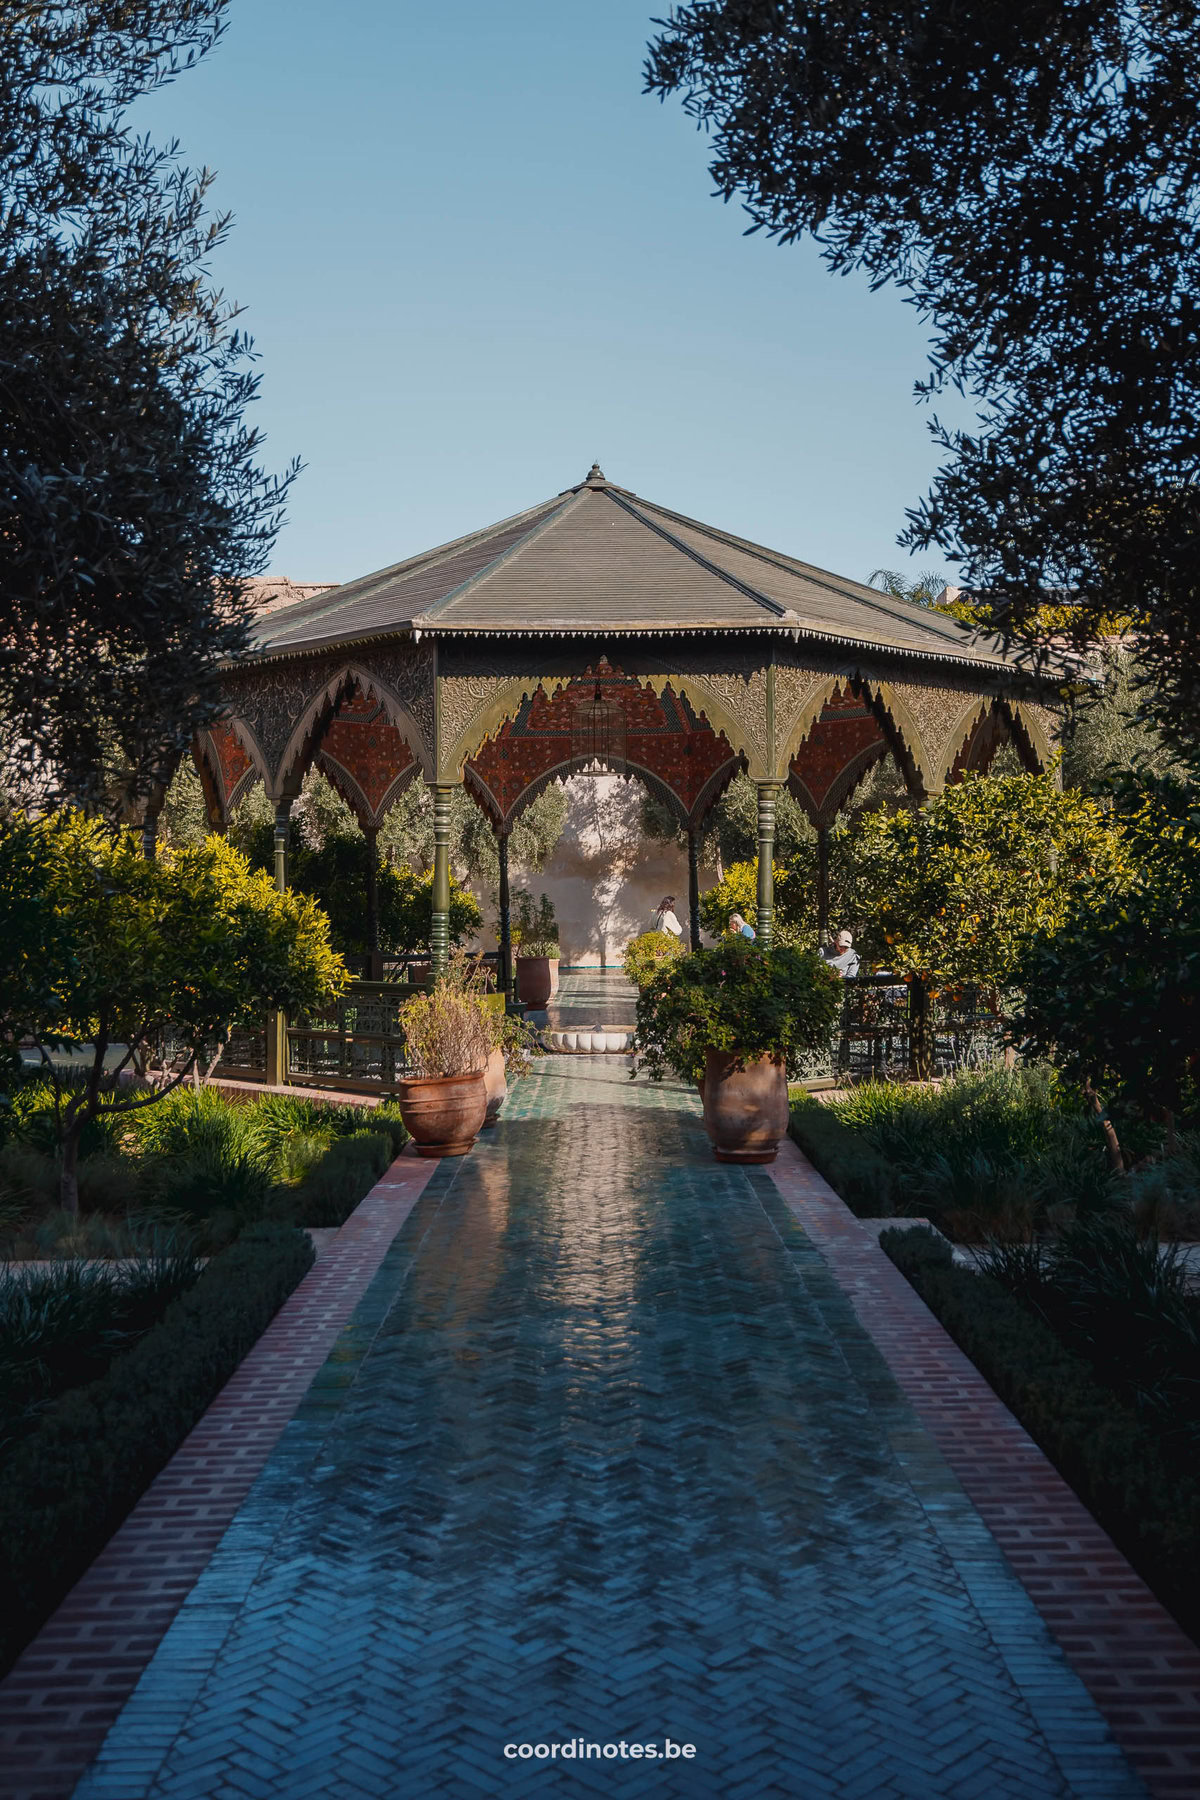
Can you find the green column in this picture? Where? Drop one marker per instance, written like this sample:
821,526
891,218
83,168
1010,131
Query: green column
768,794
822,882
374,960
277,1024
150,836
439,932
694,885
505,934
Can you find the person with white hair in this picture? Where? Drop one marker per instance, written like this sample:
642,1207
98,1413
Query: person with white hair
841,955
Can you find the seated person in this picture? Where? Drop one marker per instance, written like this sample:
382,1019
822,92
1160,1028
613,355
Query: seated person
739,928
841,955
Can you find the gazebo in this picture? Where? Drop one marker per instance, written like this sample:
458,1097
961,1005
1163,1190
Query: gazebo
599,629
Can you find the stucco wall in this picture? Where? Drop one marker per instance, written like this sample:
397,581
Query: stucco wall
605,878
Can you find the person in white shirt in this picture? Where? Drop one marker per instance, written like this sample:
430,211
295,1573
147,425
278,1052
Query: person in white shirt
841,955
664,918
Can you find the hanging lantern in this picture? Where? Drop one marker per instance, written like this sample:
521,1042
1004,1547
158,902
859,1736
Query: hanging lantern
597,735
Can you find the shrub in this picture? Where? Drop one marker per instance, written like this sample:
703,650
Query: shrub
737,892
1114,1462
69,1484
33,1118
62,1326
852,1167
738,998
988,1149
192,1119
647,955
1123,1303
1134,1038
349,1170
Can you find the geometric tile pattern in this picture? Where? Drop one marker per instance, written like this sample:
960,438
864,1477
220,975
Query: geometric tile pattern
604,1454
68,1686
1136,1661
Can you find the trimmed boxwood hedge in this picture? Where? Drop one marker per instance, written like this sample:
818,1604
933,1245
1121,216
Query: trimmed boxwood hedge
1113,1461
865,1180
68,1485
347,1172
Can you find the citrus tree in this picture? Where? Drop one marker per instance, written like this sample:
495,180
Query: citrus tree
1113,986
102,952
955,891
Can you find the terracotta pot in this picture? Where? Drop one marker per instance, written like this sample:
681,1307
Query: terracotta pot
443,1113
708,1128
745,1110
537,979
495,1086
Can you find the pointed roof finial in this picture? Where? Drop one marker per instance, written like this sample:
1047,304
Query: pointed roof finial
596,476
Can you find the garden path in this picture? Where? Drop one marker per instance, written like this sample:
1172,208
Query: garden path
606,1454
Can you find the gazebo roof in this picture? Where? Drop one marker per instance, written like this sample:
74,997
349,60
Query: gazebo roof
598,559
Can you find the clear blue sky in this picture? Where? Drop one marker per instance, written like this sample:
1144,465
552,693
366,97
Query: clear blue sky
474,256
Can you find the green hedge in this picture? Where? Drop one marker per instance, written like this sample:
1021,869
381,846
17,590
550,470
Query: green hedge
69,1484
346,1173
1110,1457
865,1180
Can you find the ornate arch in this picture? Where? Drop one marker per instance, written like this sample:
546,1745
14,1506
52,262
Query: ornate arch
348,788
1034,731
904,736
472,709
838,795
800,699
713,789
228,767
316,715
626,768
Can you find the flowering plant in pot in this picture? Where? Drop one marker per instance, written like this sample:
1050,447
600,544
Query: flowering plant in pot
737,1021
535,941
444,1101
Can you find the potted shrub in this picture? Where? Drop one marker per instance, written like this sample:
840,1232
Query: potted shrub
535,940
444,1103
646,956
738,1021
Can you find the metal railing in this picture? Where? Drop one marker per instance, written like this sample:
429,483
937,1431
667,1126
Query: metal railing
356,1043
893,1030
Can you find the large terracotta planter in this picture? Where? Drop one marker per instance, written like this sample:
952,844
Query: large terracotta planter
537,979
745,1110
443,1113
495,1086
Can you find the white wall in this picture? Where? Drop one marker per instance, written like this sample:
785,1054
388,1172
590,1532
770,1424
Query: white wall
604,877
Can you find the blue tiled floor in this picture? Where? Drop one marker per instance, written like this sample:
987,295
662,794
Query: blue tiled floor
604,1454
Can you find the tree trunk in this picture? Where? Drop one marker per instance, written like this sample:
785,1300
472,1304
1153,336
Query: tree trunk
1116,1157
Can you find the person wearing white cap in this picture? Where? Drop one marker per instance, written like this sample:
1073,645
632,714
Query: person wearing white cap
841,955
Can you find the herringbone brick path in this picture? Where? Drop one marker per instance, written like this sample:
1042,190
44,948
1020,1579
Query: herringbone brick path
1140,1666
604,1453
64,1693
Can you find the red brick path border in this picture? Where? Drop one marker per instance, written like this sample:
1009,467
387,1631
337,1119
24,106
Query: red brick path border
62,1695
1138,1665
